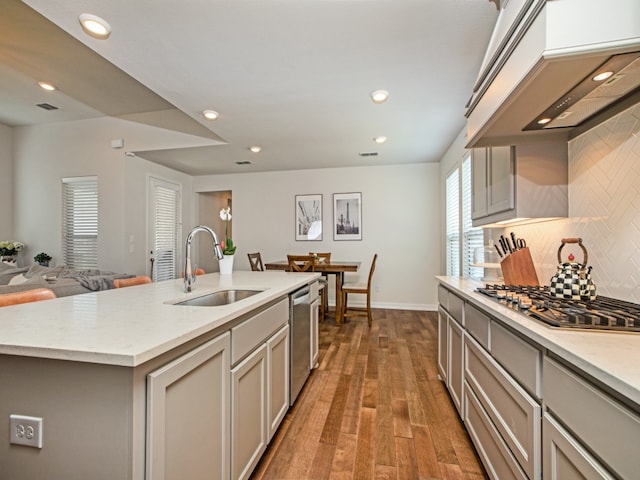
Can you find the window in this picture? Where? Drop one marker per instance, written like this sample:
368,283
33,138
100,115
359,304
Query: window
472,238
453,223
461,237
165,229
80,222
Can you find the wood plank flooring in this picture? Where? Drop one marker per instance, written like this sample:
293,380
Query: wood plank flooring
374,409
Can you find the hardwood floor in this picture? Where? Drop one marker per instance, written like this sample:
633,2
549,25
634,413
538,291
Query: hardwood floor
374,408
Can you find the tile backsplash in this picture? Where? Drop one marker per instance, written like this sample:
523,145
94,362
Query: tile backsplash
604,209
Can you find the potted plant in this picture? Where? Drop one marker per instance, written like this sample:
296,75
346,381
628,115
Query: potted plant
42,259
228,248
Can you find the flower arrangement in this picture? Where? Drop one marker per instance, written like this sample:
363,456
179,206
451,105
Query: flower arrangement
228,248
9,249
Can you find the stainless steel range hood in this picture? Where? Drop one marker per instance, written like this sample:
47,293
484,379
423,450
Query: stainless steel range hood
541,67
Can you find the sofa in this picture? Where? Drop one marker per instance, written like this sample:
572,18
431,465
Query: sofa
61,279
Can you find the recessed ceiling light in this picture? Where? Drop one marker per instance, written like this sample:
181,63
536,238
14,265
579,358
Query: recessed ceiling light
379,96
380,139
544,121
602,76
255,149
46,86
210,114
95,26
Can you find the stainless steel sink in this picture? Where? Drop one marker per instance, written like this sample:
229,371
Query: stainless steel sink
223,297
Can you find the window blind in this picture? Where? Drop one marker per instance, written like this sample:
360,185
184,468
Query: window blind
80,222
166,231
472,237
452,192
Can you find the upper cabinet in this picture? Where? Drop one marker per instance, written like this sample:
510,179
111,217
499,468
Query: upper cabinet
540,62
519,183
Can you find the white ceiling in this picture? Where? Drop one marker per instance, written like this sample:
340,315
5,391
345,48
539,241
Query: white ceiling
292,76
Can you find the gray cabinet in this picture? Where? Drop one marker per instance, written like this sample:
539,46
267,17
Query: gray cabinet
188,415
597,421
259,385
249,413
314,319
522,183
455,378
443,344
493,179
565,458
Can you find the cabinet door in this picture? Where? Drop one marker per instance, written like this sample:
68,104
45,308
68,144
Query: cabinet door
501,180
315,318
455,378
478,183
278,378
248,413
188,415
443,345
563,456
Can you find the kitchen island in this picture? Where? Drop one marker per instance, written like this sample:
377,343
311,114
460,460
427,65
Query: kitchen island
131,386
539,401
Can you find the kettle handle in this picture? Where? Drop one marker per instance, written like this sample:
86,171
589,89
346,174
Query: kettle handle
579,242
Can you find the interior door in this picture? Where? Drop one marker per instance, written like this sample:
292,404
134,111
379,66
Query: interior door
165,229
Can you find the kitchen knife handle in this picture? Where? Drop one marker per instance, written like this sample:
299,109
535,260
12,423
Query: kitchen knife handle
498,250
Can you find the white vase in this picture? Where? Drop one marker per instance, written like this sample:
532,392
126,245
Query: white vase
226,265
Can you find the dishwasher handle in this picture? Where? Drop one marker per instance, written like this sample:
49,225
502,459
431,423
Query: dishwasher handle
302,299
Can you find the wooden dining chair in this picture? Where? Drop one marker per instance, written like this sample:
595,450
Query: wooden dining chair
27,296
129,282
307,263
301,263
255,260
362,289
323,257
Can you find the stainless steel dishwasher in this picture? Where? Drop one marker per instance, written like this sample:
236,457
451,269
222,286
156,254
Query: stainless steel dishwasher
300,337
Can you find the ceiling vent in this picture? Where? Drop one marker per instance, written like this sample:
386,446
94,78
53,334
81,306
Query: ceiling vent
47,106
244,162
368,154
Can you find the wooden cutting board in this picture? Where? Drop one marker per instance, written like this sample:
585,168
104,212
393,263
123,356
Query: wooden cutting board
518,269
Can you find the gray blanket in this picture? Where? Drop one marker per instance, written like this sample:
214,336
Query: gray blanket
95,280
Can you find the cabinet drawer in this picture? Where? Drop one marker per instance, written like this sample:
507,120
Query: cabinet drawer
496,457
513,412
477,324
456,306
251,333
443,297
564,457
602,424
521,359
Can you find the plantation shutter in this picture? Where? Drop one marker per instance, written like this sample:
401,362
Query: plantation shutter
80,222
453,223
166,229
472,237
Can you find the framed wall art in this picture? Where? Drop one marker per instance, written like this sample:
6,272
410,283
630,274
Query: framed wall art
309,217
347,216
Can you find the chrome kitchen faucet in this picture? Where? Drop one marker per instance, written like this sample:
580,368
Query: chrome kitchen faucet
189,275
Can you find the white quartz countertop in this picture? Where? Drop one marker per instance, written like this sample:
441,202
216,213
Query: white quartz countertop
129,326
612,358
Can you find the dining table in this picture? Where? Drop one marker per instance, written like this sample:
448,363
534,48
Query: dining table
337,268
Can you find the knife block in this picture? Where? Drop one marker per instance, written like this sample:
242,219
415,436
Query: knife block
517,269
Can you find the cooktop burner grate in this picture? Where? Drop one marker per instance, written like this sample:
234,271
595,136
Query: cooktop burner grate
603,313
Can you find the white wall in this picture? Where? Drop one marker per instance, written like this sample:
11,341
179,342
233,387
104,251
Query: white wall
6,183
43,154
400,222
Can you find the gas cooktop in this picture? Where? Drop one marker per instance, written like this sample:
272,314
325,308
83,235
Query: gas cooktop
603,313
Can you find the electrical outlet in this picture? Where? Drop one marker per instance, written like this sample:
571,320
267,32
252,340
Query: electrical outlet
26,430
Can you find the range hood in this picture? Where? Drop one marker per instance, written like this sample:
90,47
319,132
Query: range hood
538,80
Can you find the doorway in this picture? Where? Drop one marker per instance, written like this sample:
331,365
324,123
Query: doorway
209,206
